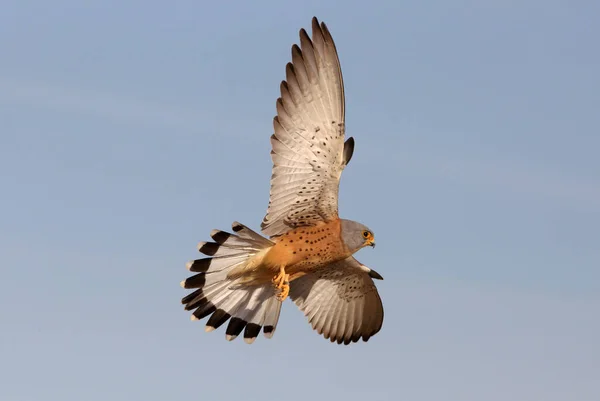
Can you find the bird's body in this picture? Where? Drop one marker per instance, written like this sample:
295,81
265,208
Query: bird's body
300,251
308,255
307,248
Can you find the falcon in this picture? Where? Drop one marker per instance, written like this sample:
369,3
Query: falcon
308,256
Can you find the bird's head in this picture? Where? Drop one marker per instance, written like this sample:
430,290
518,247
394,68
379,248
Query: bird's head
356,235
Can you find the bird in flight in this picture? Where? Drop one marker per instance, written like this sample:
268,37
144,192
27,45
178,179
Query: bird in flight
309,253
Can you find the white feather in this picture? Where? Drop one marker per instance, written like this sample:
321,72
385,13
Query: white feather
308,142
222,298
340,301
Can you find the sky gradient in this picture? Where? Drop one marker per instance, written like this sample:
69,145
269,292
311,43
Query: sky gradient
129,131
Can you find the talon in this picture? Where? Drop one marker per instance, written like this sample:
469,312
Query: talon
282,284
283,293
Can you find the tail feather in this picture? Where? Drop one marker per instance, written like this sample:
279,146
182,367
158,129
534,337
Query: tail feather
244,232
247,307
249,312
272,310
227,306
205,280
215,249
215,264
236,240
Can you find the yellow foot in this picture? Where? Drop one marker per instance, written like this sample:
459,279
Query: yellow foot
284,292
282,284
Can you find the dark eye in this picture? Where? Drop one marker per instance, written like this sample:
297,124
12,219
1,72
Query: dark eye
366,234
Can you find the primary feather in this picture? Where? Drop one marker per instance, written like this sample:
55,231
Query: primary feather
340,301
308,149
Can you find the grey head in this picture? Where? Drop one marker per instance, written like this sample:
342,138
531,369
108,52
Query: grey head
356,235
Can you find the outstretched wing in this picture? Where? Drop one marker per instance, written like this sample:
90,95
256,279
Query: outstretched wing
308,144
340,301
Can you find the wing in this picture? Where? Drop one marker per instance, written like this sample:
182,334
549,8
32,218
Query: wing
308,149
340,301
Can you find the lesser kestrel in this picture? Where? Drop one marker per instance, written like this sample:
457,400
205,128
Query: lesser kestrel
308,255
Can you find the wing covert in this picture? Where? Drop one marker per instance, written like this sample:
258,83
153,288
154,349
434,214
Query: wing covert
340,301
308,141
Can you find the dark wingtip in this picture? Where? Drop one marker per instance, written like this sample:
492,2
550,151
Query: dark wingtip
296,50
375,275
315,24
348,150
304,35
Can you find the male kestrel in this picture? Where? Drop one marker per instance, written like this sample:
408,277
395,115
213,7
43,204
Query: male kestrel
309,254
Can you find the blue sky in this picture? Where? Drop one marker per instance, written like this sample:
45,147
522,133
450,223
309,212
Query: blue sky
128,131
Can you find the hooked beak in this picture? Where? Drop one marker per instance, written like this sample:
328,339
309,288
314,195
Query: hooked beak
372,244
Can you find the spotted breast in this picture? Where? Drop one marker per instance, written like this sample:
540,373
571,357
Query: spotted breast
306,248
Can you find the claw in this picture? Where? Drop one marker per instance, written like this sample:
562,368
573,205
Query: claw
285,290
282,284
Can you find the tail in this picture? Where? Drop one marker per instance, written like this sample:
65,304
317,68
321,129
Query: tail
250,307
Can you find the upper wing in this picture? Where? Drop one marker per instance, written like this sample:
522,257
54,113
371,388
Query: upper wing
340,301
308,144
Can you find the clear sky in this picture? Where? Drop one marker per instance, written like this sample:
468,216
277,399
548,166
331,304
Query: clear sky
129,130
